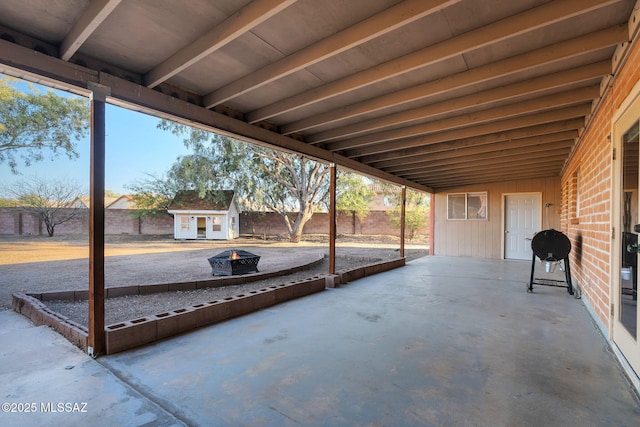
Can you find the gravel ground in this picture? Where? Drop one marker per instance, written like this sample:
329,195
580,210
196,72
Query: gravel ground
135,306
133,260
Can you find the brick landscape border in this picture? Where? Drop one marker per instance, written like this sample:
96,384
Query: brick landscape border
134,333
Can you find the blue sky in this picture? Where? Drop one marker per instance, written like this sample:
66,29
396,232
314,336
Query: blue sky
134,147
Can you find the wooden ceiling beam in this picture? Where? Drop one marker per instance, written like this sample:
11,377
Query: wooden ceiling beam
515,158
453,186
464,157
548,54
94,14
18,61
499,161
456,186
513,170
542,56
584,73
524,144
375,26
253,14
429,144
483,129
516,109
461,177
458,179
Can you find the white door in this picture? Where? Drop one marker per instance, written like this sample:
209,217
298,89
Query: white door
201,227
521,222
626,322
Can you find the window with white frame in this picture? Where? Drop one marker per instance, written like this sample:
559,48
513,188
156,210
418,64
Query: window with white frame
216,224
184,223
463,206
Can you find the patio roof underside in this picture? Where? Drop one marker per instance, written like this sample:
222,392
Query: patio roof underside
432,94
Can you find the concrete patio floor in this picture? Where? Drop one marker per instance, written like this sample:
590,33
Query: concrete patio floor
440,342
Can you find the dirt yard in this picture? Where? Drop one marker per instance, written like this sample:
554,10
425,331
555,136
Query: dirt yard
29,264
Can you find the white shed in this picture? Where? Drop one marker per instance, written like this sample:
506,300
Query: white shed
213,217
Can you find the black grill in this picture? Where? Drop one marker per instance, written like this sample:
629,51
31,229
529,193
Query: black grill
552,247
234,261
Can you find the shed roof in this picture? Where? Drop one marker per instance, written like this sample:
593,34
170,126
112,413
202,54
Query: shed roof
212,201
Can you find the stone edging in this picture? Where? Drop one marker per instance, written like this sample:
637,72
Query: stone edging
133,333
216,282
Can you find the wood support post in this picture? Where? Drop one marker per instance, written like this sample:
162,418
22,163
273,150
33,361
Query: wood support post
96,338
432,222
403,207
332,219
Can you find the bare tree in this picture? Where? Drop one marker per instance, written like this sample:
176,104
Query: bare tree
49,199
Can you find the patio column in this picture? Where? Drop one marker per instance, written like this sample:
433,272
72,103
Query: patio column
402,219
96,339
432,222
332,219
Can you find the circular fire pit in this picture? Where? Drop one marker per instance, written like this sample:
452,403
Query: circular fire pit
234,261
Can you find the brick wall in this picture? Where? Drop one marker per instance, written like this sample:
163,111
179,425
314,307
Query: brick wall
590,227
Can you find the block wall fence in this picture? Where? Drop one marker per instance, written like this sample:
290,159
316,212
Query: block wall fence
19,222
376,223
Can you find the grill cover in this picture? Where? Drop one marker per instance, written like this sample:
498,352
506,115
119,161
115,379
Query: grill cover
551,245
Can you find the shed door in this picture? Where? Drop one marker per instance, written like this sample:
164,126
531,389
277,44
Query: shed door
202,227
521,222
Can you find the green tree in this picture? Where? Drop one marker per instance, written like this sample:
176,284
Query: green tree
353,195
288,184
417,209
49,199
152,195
36,125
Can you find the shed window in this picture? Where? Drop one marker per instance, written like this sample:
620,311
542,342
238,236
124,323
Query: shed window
467,205
184,223
216,224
